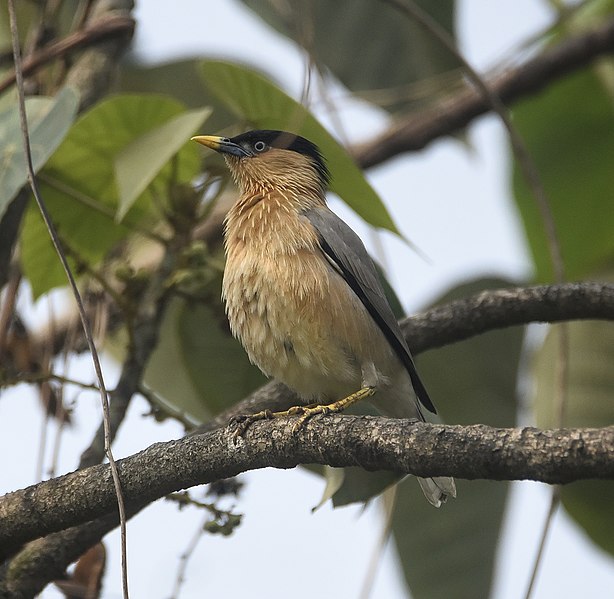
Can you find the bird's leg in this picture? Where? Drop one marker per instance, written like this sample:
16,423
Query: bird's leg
304,412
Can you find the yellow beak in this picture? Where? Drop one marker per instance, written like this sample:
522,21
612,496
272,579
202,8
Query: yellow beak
211,141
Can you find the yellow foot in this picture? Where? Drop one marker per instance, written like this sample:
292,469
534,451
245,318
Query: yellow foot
306,412
303,412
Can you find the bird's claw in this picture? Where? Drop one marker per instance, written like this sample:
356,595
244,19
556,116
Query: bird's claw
305,413
242,422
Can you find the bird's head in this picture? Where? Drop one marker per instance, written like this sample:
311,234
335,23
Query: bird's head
271,159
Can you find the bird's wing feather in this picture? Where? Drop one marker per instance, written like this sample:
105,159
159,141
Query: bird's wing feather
346,252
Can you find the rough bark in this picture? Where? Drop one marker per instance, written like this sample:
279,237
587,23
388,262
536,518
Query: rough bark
373,443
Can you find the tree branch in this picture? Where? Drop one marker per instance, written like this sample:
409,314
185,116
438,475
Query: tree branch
415,131
374,443
40,562
501,308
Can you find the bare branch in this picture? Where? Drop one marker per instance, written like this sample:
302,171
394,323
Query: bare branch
501,308
108,28
40,562
373,443
415,131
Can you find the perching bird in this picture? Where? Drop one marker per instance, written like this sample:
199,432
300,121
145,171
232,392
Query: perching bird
302,294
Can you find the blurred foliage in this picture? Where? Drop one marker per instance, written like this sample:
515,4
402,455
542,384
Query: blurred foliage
180,79
370,47
569,131
79,184
114,175
571,141
590,403
48,122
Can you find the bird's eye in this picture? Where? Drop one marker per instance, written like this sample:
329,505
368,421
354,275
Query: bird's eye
259,146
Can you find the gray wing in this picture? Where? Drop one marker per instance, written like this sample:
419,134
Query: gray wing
346,252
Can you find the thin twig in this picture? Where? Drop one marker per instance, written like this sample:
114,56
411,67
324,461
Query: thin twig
184,558
42,444
8,305
72,283
554,504
560,405
41,377
388,499
533,179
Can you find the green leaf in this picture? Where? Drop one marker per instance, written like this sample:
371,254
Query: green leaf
217,364
253,97
569,132
137,165
48,122
450,551
382,50
198,368
79,187
360,486
166,373
334,478
28,16
589,403
179,79
589,503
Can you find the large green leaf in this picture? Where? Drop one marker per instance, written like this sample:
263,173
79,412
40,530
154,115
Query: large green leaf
254,98
179,79
79,184
139,163
368,45
590,402
569,131
166,372
48,122
450,552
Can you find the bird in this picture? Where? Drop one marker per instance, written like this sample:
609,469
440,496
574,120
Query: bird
302,294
